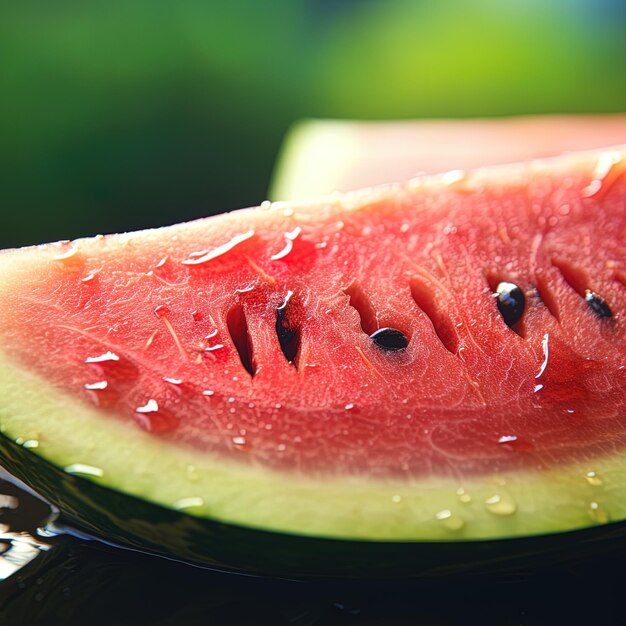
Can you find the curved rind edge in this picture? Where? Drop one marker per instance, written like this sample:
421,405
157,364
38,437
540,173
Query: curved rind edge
120,456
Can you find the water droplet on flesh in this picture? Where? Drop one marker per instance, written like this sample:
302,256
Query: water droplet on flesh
198,258
152,406
545,346
603,168
97,386
507,438
288,247
453,177
239,441
89,277
208,392
103,358
173,381
68,254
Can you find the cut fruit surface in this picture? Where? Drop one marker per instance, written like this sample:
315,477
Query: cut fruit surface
442,360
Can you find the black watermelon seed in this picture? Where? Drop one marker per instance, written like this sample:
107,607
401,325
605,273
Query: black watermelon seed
389,339
287,336
597,304
511,302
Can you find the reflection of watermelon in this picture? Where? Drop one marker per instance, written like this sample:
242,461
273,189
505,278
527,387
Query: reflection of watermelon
440,361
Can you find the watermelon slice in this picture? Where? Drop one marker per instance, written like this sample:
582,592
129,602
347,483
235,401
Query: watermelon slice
324,156
382,382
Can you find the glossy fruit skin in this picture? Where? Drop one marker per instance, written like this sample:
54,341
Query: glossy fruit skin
136,524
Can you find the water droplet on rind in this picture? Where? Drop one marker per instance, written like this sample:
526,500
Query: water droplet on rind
192,472
82,469
449,520
593,479
188,503
501,504
597,513
463,495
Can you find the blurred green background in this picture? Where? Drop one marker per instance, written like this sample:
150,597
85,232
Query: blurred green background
124,114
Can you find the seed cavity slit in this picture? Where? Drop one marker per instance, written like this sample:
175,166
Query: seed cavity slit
547,296
287,331
620,277
573,275
363,306
427,300
240,336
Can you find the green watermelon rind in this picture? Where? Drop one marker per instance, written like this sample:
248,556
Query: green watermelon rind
259,520
134,523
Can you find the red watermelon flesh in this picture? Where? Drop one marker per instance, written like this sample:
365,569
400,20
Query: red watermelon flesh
248,335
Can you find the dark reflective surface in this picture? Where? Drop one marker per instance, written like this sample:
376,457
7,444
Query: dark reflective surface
72,582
